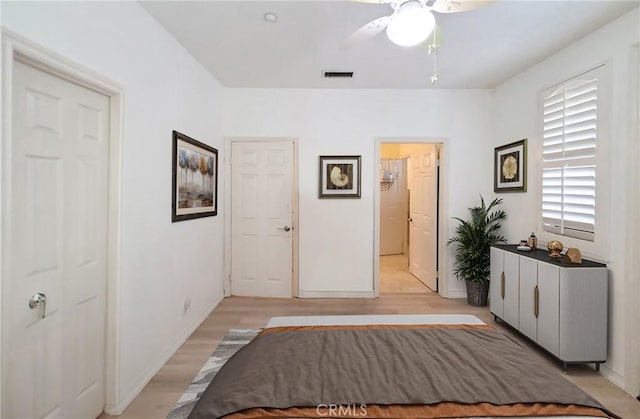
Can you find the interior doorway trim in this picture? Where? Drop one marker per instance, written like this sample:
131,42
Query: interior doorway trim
227,210
443,286
17,48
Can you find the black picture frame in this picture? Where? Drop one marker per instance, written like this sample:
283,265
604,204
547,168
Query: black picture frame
195,198
510,167
340,177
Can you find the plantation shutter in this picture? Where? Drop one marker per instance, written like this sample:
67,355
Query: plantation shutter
569,158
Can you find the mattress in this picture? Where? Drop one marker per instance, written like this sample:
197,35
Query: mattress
372,319
301,362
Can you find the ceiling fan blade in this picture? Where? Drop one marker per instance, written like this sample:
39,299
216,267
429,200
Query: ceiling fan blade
455,6
368,31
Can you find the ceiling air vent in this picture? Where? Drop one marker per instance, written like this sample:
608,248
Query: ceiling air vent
338,74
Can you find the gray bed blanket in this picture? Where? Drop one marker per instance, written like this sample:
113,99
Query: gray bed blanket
384,366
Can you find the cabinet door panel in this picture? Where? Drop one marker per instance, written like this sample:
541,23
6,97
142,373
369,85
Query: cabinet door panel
583,314
528,282
511,288
549,307
495,286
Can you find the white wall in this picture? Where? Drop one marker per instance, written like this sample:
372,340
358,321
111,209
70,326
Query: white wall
336,236
632,367
514,116
162,264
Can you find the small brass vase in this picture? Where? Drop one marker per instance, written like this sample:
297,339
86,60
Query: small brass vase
555,247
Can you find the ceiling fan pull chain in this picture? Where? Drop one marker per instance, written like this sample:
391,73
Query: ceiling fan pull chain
434,78
434,48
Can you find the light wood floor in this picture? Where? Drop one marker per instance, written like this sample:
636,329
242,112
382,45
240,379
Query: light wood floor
159,396
395,276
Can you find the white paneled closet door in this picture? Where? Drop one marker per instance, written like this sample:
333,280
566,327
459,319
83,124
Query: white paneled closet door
262,218
57,204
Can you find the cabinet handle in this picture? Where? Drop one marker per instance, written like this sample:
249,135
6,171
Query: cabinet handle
536,302
502,285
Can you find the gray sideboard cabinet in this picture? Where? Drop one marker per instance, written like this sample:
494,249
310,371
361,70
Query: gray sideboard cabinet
560,306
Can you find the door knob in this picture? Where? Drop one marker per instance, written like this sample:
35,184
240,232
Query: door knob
285,228
38,300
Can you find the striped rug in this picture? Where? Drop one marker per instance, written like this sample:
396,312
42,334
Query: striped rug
230,344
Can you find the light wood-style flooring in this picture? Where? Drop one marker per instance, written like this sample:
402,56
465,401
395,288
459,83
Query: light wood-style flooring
395,276
159,396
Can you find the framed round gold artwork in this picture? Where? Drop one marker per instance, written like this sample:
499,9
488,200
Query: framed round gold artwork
510,167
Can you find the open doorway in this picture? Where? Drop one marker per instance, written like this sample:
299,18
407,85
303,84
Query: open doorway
408,247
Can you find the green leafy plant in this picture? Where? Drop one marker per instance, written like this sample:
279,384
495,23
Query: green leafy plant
474,239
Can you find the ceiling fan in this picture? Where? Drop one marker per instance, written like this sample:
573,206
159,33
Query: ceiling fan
412,22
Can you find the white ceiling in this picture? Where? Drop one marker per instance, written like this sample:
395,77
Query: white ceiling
481,48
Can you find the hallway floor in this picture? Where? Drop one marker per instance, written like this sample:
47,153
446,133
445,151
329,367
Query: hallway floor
395,276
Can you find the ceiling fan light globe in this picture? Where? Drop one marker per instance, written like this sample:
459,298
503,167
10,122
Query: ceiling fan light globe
411,26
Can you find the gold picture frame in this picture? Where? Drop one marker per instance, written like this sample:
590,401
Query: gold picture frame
510,167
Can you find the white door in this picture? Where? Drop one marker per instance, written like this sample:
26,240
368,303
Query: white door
422,215
57,246
393,212
261,218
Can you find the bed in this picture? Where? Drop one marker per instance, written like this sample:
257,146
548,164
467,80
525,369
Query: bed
389,366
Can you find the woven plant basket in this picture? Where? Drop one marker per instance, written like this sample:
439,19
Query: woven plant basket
477,294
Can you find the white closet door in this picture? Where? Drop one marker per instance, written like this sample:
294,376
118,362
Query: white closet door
58,247
261,218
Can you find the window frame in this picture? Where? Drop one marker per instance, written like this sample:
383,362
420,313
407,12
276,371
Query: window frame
569,166
599,246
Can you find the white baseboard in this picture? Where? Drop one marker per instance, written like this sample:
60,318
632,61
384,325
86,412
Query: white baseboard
335,294
613,376
160,361
456,294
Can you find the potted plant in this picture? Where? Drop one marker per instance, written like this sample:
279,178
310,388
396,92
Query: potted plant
474,239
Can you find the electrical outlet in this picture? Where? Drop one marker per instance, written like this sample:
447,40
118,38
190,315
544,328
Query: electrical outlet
185,307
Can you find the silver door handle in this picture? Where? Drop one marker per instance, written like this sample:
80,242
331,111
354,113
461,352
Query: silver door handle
38,300
285,228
